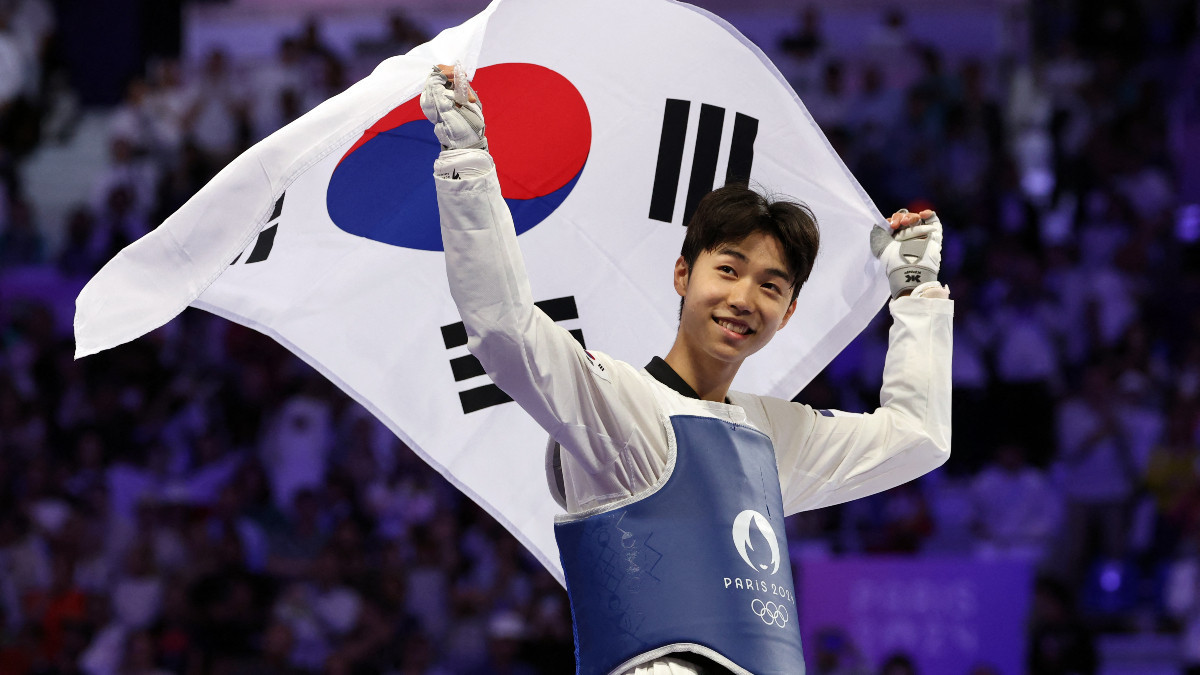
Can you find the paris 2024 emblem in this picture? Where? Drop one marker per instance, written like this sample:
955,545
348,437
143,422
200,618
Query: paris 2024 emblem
741,538
773,609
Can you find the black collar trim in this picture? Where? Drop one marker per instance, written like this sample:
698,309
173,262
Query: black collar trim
664,373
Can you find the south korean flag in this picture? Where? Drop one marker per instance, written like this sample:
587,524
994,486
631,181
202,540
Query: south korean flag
608,120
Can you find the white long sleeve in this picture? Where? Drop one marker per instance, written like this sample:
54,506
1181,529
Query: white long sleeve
599,410
830,457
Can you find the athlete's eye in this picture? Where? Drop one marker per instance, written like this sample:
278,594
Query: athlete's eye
726,269
771,287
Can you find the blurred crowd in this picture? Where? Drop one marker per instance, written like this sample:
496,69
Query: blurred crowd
202,501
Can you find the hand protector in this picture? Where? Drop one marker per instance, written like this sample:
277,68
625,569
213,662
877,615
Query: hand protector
457,125
912,255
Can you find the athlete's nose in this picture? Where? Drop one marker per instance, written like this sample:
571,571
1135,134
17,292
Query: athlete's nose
739,296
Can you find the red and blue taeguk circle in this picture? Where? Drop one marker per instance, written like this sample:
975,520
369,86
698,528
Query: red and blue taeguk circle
539,133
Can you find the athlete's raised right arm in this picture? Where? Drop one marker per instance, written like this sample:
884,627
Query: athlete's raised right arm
584,402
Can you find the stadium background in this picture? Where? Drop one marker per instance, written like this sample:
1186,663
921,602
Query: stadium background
140,527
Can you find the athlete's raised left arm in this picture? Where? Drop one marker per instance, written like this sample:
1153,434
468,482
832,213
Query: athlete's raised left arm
595,407
829,457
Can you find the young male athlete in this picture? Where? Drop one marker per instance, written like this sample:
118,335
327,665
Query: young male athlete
675,487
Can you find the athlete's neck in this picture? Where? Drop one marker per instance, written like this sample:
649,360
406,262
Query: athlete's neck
710,378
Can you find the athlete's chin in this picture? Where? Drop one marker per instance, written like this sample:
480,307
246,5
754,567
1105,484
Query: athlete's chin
735,351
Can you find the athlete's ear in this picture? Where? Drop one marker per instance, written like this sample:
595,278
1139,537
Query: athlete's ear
681,276
787,315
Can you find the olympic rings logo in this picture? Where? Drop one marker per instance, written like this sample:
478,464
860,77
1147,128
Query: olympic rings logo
769,612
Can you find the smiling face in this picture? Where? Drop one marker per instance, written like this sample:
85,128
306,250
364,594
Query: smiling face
735,298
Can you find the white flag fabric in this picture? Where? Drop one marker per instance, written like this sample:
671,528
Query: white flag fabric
608,119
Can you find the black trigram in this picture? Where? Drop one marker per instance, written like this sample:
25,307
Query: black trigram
704,160
466,367
266,237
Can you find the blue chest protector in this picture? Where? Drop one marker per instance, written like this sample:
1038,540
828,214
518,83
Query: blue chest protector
700,565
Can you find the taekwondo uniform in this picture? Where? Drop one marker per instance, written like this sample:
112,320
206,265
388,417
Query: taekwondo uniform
670,498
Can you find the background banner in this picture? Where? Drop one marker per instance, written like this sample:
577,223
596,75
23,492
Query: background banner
947,614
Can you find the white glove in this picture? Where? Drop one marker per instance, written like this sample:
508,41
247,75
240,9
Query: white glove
457,123
912,255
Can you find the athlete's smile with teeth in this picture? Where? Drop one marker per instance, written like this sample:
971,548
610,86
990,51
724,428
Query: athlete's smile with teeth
733,326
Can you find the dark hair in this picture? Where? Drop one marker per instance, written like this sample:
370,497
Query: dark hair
734,212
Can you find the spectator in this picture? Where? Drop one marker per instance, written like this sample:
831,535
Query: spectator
1026,351
971,374
280,85
140,656
294,550
21,242
829,102
1182,598
803,52
1171,478
898,664
429,575
278,646
506,630
135,178
138,592
403,33
1017,510
890,44
319,613
57,609
1059,641
174,642
1097,469
418,657
77,258
298,444
835,654
896,521
873,110
227,514
139,122
217,115
13,73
